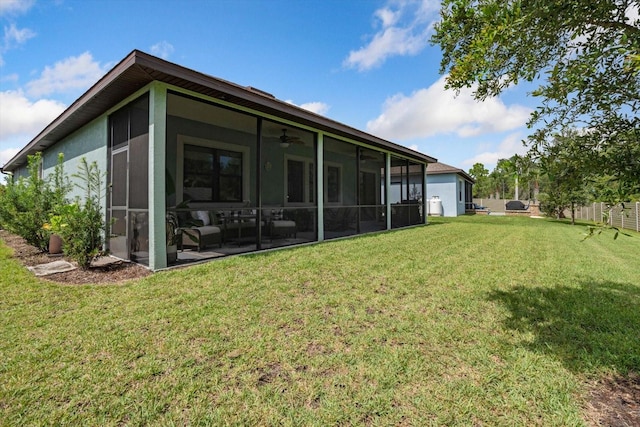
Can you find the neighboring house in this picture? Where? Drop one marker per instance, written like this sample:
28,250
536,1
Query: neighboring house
236,168
453,186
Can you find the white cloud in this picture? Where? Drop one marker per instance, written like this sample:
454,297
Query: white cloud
68,75
21,116
387,16
15,6
633,13
390,42
315,107
435,110
10,78
511,145
6,155
13,37
405,27
162,49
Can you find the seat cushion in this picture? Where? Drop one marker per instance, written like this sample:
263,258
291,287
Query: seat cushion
208,229
283,224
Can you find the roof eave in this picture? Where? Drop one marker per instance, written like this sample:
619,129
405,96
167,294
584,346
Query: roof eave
40,142
138,69
457,172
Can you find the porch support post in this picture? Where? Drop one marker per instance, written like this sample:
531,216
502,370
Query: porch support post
157,185
387,188
423,167
320,185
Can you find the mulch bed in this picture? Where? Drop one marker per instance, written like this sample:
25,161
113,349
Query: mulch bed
115,272
613,402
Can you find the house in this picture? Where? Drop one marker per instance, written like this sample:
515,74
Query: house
226,168
453,187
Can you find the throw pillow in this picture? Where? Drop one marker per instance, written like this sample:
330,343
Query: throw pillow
204,217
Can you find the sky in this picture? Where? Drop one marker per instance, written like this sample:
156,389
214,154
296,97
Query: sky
366,63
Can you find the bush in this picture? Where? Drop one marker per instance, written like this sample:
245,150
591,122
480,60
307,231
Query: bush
81,224
27,203
33,208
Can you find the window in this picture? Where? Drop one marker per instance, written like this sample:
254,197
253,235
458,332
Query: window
212,174
369,188
333,184
340,172
295,181
298,189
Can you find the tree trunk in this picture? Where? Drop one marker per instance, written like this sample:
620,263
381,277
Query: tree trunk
573,213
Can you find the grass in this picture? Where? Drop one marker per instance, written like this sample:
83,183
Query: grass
467,321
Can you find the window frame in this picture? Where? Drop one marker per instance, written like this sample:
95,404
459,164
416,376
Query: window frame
218,146
308,187
339,167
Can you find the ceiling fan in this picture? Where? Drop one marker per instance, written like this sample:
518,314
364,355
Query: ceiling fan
286,140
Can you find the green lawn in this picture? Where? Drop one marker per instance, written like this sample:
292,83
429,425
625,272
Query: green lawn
467,321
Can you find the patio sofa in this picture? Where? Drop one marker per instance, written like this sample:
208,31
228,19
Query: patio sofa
203,228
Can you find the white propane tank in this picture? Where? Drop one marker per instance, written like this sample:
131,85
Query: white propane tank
435,206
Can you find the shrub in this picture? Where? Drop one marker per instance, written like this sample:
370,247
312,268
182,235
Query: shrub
27,203
81,224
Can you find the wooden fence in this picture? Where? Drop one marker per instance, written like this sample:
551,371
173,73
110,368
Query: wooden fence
629,218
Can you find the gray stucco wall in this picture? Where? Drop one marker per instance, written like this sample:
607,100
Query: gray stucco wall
89,142
20,172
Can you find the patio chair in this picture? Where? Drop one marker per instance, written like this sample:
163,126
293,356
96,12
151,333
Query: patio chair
280,227
201,232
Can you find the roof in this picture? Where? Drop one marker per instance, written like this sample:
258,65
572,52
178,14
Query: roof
438,168
138,69
413,170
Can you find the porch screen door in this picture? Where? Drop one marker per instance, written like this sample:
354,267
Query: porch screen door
119,185
129,205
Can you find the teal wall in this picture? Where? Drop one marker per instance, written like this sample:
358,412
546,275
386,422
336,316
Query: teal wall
181,126
89,142
20,172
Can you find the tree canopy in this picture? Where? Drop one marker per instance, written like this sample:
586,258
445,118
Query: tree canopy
568,176
482,187
584,54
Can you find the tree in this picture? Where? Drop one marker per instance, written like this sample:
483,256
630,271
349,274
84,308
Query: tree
502,179
586,56
515,166
528,177
482,187
568,174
